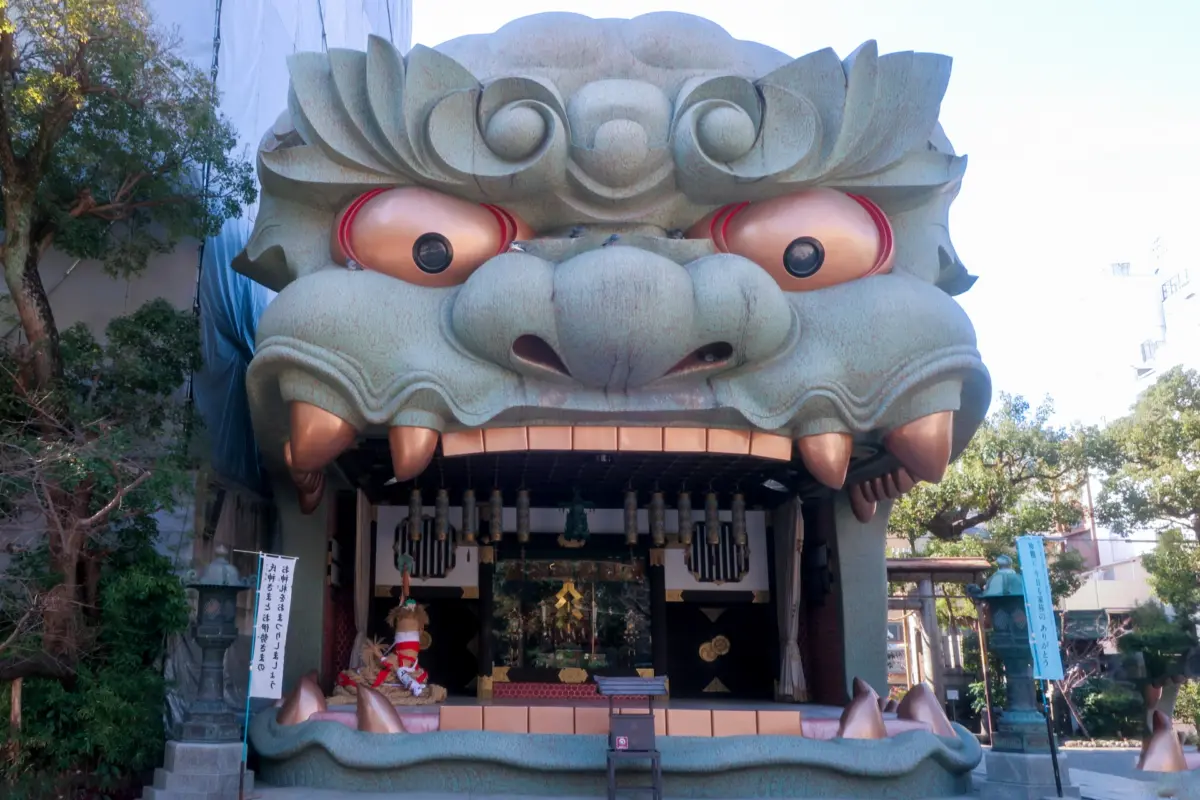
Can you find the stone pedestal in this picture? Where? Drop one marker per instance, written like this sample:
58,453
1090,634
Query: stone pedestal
1023,776
198,771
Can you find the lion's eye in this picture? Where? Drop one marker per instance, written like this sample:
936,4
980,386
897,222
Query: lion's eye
808,240
421,236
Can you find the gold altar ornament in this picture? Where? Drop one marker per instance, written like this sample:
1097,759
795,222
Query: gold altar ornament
708,653
572,675
720,645
568,590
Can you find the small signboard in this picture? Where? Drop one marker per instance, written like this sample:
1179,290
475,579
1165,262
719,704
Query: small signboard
275,585
1039,609
952,694
621,743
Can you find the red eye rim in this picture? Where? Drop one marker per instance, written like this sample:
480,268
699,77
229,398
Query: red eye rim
720,224
718,227
506,221
508,226
343,232
887,239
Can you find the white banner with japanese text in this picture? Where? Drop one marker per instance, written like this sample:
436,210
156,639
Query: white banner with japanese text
1039,609
271,625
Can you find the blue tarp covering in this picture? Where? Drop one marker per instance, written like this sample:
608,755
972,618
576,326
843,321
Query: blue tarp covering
230,306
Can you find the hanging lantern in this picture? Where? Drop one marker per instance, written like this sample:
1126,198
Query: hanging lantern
468,517
739,519
496,516
416,520
441,515
631,526
523,516
685,519
658,519
712,519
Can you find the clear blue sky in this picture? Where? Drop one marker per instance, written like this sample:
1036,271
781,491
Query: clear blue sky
1082,122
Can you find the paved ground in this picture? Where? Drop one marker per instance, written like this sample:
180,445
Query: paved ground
318,794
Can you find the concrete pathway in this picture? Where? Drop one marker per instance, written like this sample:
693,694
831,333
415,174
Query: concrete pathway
270,793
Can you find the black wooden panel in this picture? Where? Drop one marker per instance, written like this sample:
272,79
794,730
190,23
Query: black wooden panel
746,669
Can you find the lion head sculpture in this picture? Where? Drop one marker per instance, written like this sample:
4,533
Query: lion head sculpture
571,227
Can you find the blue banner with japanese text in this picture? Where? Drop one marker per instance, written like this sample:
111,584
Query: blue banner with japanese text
1039,609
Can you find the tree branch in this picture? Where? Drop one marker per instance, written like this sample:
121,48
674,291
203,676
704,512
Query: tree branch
112,505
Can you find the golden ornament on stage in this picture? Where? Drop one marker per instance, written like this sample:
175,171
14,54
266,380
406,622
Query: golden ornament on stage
720,645
708,653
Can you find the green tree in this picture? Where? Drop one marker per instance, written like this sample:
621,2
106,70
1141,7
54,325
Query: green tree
1018,475
1174,568
1149,459
104,132
106,457
111,148
1163,644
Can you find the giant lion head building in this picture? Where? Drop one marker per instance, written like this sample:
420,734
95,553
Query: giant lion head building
622,317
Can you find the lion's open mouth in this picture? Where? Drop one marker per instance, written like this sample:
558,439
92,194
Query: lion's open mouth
605,462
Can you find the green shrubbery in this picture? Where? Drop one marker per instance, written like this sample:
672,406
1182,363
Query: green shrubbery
105,728
1111,710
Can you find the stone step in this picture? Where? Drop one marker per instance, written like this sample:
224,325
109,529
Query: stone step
195,758
171,794
183,782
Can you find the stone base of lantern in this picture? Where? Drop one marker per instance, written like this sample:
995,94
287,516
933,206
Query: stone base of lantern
1024,776
198,771
211,726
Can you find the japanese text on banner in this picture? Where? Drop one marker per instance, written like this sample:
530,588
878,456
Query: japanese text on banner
271,626
1039,609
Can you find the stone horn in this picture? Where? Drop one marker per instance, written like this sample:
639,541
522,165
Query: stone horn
1162,751
862,719
304,701
375,714
920,704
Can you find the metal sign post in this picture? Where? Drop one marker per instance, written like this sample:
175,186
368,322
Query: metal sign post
1043,632
272,611
250,674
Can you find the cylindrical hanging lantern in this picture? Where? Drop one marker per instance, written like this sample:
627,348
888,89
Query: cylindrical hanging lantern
468,517
441,515
658,519
496,516
416,515
739,519
523,516
631,526
712,519
685,519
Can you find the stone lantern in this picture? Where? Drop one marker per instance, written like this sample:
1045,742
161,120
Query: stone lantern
209,718
1022,726
1019,763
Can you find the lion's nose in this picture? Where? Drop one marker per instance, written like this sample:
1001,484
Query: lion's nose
624,317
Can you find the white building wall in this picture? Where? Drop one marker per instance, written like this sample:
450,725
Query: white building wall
1116,587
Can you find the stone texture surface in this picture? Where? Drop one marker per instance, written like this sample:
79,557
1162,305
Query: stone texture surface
1018,776
635,127
195,771
327,755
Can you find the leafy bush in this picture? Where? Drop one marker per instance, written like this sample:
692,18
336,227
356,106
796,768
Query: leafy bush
1162,642
972,665
1187,705
106,727
1110,710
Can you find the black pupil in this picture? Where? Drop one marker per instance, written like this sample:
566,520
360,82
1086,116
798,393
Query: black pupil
803,257
432,252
